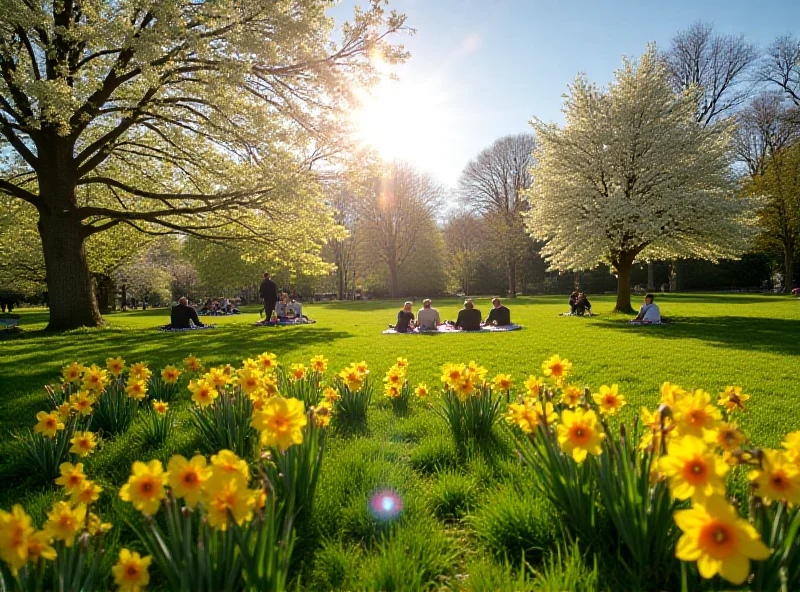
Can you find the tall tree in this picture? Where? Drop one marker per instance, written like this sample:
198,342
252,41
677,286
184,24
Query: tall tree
343,247
395,213
632,173
778,190
781,66
171,116
767,125
493,185
718,65
463,239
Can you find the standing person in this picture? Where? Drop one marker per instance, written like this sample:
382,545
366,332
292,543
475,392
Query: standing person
499,315
428,317
469,317
269,294
649,312
405,319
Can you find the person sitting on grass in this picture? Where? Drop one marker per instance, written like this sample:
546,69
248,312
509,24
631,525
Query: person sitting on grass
582,305
428,317
573,301
405,319
499,316
182,316
648,313
469,317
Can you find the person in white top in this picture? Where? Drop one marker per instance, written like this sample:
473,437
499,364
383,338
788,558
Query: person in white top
428,317
649,312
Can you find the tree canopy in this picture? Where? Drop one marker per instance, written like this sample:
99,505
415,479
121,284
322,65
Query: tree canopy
200,118
634,174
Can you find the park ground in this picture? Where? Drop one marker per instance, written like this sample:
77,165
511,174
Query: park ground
714,340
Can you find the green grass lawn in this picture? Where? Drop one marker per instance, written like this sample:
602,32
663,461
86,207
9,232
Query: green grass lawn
715,340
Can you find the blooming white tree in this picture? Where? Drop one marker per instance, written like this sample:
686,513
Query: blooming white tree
632,175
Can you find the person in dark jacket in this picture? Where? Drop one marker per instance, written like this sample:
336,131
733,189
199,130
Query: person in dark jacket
469,317
499,315
582,305
269,294
573,301
182,316
405,319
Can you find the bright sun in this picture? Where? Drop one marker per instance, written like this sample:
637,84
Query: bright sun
401,120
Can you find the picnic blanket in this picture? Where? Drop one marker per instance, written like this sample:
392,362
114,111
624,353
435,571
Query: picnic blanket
168,329
451,329
574,314
284,323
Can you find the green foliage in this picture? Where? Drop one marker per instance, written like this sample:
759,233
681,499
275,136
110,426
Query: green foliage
115,411
433,454
306,389
351,409
156,427
413,557
76,569
472,420
452,495
515,524
335,566
225,424
779,527
567,569
45,454
640,511
488,574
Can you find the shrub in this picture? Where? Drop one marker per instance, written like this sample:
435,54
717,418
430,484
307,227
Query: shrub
414,557
452,495
514,525
351,408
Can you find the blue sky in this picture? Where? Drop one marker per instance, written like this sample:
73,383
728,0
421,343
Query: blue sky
480,70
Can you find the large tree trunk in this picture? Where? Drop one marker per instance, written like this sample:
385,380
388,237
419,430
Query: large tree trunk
651,277
623,268
69,284
788,266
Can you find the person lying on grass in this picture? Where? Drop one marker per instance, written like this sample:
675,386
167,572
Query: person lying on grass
499,316
469,317
405,319
182,316
649,312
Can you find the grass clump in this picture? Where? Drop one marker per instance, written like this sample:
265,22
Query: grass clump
415,557
434,454
452,495
515,525
335,566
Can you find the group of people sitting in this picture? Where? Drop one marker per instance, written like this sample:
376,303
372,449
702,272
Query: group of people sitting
279,309
215,307
469,318
579,304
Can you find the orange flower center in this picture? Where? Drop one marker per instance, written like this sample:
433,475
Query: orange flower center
65,521
610,400
556,369
75,479
695,471
580,434
718,539
779,482
50,422
190,478
697,417
147,487
132,571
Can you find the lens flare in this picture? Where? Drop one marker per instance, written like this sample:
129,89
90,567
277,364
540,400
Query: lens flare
386,504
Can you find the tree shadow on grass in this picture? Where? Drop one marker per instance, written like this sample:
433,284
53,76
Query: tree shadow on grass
779,336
